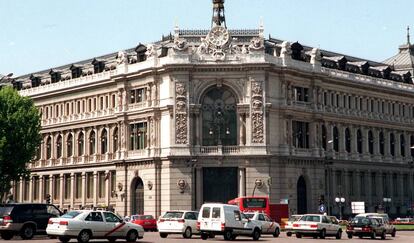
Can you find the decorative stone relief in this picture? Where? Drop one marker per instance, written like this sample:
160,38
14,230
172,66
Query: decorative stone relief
180,44
151,51
256,44
257,114
122,58
181,114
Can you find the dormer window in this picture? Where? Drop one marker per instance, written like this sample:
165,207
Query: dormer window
55,77
98,66
76,72
35,81
141,50
17,85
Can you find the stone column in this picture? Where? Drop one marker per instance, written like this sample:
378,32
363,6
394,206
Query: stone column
84,187
72,190
241,129
31,181
387,144
51,188
365,143
95,188
21,185
242,182
341,129
61,190
41,189
397,146
107,188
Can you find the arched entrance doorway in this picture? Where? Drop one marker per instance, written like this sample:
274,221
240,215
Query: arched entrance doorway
137,196
302,196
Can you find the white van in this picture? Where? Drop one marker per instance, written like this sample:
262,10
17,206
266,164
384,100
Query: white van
226,220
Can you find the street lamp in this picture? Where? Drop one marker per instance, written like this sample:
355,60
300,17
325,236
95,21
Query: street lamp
340,201
386,201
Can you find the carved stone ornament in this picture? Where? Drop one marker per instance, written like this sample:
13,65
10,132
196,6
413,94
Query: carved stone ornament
256,44
217,43
180,44
257,112
121,58
151,51
181,114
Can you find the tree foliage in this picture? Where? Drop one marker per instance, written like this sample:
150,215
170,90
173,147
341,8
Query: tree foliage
19,136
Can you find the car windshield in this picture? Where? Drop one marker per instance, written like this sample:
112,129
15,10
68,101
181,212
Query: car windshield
254,203
173,215
144,217
249,215
311,218
71,215
294,218
360,221
5,210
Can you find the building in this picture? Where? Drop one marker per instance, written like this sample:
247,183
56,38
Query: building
209,115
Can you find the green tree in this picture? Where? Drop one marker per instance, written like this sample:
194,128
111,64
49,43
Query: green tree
19,137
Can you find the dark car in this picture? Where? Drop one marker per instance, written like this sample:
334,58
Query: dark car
25,220
365,227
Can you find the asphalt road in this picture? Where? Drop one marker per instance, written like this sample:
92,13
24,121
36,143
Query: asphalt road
402,236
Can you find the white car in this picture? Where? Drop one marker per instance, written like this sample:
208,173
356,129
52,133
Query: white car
178,222
316,225
226,220
289,223
268,225
85,225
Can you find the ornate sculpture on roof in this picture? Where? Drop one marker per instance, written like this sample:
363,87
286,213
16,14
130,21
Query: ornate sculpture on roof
121,58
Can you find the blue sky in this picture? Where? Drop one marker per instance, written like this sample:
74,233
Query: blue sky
40,34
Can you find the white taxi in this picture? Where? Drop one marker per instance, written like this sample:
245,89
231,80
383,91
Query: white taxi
316,225
178,222
85,225
268,225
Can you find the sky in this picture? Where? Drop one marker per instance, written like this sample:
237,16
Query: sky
40,34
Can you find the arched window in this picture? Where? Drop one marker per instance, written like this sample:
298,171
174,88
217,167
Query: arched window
115,140
104,141
92,143
219,117
59,147
335,139
69,145
359,141
371,142
324,138
381,143
347,140
49,148
81,144
392,144
402,145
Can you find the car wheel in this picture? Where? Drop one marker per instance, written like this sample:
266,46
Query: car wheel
163,235
187,233
233,237
132,236
111,239
64,239
27,232
84,236
277,232
383,235
394,232
204,236
288,234
298,235
338,235
256,234
373,235
322,235
227,235
6,235
349,236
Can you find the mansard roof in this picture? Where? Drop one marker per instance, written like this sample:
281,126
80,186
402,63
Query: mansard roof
404,60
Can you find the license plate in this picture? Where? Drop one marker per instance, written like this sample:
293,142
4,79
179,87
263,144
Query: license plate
147,223
357,228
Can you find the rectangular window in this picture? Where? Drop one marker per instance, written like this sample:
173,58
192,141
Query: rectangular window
395,184
300,133
138,136
113,182
351,183
216,213
406,188
301,94
137,95
89,182
78,187
36,185
384,185
46,185
362,184
56,187
206,213
101,191
374,183
325,98
68,183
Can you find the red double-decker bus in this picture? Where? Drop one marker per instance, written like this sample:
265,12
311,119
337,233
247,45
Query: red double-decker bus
262,204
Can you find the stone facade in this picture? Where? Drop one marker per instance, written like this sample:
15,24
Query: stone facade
138,129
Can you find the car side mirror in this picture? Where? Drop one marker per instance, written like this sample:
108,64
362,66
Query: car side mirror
121,221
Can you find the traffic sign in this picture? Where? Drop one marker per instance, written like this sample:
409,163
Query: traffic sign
322,208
